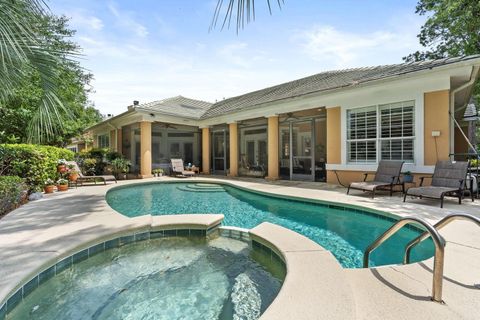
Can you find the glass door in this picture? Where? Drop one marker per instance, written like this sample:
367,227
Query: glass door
301,135
219,152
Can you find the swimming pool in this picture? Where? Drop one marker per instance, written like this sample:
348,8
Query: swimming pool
343,231
166,278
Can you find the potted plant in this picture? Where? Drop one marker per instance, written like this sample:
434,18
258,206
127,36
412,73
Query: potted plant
62,184
157,172
48,186
407,177
120,168
61,166
72,173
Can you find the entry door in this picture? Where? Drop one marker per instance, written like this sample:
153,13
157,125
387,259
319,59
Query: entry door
219,152
303,154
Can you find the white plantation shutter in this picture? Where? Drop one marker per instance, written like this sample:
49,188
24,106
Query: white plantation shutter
389,128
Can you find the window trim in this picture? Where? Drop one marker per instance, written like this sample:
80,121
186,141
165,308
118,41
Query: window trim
378,139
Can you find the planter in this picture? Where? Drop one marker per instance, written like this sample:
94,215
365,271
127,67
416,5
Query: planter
408,179
73,177
48,189
62,187
61,168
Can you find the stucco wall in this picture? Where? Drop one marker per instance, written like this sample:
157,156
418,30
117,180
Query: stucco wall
436,118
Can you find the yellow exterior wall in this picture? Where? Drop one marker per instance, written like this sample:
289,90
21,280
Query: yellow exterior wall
334,154
436,118
146,149
233,128
272,148
206,150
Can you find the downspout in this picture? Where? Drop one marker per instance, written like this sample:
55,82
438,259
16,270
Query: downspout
452,107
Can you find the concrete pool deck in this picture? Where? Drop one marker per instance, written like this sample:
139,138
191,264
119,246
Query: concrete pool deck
43,230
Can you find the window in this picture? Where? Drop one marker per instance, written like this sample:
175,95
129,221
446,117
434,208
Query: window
103,141
381,132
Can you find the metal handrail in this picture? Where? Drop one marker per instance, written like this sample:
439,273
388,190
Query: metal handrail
439,251
439,225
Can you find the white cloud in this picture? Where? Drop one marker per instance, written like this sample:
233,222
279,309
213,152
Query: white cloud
90,22
126,20
342,49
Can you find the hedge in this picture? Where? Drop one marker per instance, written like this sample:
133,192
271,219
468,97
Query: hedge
13,192
34,163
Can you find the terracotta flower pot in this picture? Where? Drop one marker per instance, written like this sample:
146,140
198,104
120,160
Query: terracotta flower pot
61,168
48,189
62,187
73,176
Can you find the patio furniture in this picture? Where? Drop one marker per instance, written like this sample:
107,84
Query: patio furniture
83,178
178,169
449,179
386,177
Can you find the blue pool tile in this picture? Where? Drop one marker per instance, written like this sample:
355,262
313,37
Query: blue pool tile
170,233
3,311
30,286
80,256
96,249
126,239
142,236
45,275
63,264
156,234
110,244
14,300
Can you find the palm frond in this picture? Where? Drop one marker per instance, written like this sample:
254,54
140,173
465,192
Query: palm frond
244,13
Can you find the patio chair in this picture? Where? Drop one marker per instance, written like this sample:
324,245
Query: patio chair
83,178
449,179
386,177
178,169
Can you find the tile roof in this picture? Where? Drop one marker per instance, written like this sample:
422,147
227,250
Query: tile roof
322,82
178,106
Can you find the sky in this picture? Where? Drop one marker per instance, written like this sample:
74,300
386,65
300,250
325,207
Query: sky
150,50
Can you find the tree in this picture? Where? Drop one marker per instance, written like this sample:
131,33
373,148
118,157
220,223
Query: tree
26,52
21,109
452,29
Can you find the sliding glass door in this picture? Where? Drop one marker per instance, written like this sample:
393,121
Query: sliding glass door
220,152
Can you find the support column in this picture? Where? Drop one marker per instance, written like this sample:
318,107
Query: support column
111,143
206,151
233,127
334,142
146,149
272,148
119,140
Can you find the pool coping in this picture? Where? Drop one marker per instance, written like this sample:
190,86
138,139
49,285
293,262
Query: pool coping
102,214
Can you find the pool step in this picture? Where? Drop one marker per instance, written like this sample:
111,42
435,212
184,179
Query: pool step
201,187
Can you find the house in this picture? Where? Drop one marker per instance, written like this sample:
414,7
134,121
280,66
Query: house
344,121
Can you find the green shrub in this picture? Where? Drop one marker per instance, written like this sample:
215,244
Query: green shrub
99,155
34,163
13,192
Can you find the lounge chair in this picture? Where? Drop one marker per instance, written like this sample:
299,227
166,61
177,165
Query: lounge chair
387,176
83,178
449,179
178,169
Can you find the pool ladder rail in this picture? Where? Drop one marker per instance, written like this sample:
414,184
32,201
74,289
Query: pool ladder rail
438,240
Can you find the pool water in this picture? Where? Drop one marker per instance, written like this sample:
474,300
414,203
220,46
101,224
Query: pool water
169,278
344,232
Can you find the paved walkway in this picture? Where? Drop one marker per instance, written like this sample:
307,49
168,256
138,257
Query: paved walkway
40,232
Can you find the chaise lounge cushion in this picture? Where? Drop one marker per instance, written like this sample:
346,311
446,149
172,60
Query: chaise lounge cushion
368,185
430,192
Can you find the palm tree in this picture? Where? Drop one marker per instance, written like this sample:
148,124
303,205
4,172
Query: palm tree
25,51
245,12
